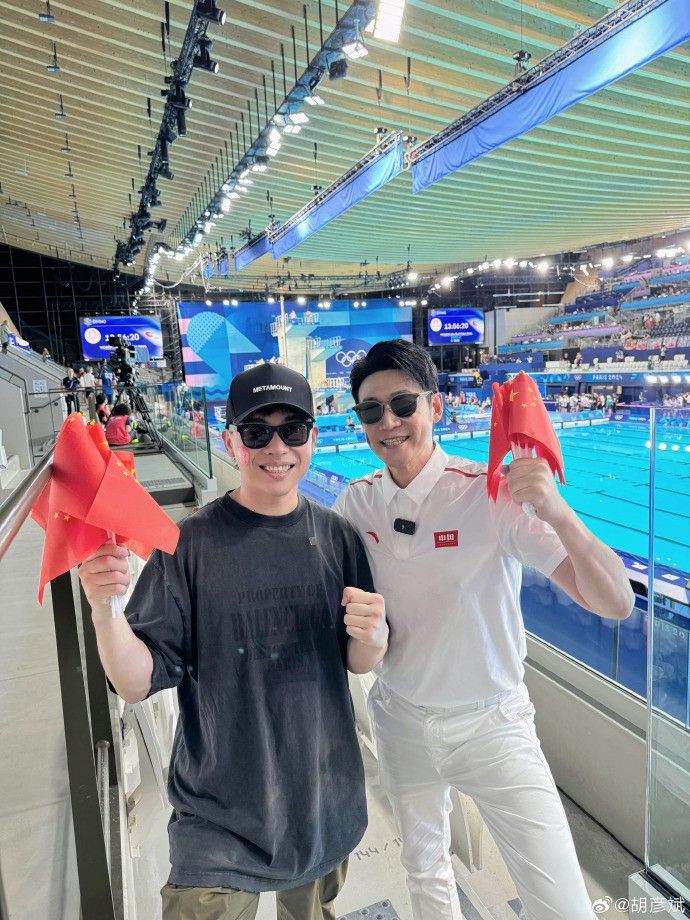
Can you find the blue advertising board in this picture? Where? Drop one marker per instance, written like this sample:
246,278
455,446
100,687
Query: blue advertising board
458,325
135,330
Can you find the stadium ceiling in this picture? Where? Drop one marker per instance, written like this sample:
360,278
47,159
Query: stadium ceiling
613,167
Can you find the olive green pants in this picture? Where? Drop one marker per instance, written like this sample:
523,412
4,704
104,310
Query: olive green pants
308,902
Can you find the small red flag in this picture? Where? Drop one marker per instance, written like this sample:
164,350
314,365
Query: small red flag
90,496
522,422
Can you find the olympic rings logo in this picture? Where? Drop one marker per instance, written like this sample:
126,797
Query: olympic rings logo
348,358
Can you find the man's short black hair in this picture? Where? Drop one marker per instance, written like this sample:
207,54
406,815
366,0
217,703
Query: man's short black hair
395,355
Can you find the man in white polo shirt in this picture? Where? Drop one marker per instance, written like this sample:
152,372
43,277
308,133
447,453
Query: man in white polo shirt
450,707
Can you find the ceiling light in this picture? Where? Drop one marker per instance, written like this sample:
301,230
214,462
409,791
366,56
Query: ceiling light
389,20
260,165
66,147
412,276
270,299
61,114
245,180
356,48
225,205
209,303
234,195
53,67
628,257
47,16
235,302
274,135
226,303
424,302
447,281
293,129
207,9
496,263
356,304
543,267
314,100
509,263
202,59
243,188
272,151
298,118
523,263
301,300
244,172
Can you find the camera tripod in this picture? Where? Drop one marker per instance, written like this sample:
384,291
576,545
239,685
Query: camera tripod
130,392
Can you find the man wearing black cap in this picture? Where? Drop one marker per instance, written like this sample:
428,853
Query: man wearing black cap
246,619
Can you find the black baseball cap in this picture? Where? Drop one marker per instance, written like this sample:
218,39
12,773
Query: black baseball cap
267,385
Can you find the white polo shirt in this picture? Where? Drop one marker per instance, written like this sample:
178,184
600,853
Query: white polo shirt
452,589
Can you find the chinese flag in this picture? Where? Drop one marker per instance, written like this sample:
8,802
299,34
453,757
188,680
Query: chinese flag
91,495
521,422
499,442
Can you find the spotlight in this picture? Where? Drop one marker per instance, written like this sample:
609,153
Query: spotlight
235,302
53,67
314,100
356,48
412,276
207,9
298,118
47,16
226,303
293,129
338,69
61,114
270,299
260,165
209,303
301,300
202,59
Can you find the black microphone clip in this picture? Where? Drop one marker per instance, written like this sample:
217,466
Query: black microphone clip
400,525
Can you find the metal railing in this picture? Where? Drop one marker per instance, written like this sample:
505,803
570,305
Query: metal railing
90,764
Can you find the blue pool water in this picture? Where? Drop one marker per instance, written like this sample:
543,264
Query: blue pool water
607,473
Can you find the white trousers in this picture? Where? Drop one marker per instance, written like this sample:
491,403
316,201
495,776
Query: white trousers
491,752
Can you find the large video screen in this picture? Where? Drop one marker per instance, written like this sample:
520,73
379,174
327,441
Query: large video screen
135,330
220,341
457,325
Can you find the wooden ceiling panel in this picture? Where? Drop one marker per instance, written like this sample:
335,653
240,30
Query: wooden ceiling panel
611,167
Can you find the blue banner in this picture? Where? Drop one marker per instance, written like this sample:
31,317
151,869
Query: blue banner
343,197
655,302
252,251
628,48
460,324
134,330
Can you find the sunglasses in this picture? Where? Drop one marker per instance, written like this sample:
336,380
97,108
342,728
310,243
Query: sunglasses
370,411
256,435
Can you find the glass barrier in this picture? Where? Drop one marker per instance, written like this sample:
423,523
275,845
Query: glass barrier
179,413
667,843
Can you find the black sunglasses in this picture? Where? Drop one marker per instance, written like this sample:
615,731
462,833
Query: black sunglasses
258,434
370,411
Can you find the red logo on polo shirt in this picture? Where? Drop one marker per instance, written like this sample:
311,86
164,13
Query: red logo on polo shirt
372,533
444,538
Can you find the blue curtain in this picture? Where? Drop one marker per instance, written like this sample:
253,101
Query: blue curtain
252,251
375,175
628,49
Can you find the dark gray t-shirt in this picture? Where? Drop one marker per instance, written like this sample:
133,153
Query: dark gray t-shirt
266,778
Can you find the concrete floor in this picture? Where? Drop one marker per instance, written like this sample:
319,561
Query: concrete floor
36,846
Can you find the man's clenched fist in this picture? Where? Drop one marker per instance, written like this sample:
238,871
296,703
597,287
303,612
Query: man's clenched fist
104,574
365,617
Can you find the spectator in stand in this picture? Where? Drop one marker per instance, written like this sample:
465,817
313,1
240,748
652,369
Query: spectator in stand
45,354
4,336
89,383
118,429
106,382
70,384
102,409
578,360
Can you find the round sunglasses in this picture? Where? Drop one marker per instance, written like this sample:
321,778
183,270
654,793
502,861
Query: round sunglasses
256,435
371,411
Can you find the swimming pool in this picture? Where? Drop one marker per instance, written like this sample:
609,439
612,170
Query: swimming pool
607,473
